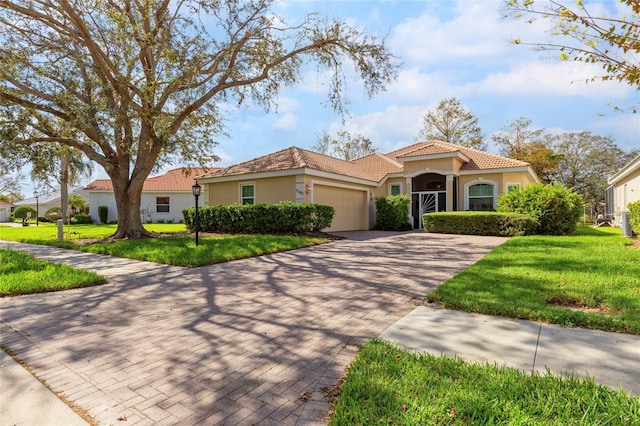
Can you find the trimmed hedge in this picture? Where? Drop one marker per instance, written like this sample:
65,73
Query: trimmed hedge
286,217
479,223
81,218
53,214
21,212
103,213
392,213
634,216
556,208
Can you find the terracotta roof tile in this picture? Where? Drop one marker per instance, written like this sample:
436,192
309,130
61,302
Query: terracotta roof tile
290,159
173,180
378,165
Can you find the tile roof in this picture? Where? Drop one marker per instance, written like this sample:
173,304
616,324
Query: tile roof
293,158
378,165
173,180
5,203
478,160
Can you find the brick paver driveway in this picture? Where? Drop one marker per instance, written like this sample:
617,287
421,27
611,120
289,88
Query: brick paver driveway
246,342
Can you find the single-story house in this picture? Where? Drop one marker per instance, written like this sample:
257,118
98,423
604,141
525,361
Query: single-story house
438,176
624,188
5,211
50,199
163,197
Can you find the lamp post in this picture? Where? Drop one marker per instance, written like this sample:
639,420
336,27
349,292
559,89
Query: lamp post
36,194
196,193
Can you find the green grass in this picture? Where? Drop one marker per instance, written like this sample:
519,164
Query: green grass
595,272
385,385
21,273
179,250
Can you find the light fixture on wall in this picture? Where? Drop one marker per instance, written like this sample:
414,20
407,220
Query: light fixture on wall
307,188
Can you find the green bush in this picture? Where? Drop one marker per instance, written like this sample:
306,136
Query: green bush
53,214
555,208
260,218
479,223
43,219
103,213
634,216
392,213
81,218
21,212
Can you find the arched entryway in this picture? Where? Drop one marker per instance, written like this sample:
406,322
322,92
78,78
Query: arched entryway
428,194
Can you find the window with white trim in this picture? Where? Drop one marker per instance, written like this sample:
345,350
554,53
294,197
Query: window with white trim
513,187
481,196
162,204
395,189
247,194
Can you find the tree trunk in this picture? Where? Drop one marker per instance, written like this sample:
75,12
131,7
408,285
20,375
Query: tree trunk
64,188
127,194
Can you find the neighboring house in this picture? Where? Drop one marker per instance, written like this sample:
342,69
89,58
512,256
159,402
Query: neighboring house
5,211
438,176
624,189
163,197
50,199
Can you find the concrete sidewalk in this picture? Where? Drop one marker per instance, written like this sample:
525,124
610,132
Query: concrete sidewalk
611,359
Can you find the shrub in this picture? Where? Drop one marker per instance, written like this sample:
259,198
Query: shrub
392,213
634,216
556,209
260,218
103,213
21,212
53,214
81,218
42,219
479,223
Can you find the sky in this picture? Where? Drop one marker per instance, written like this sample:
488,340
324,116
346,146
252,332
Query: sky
446,49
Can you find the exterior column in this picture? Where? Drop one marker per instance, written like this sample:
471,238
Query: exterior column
450,193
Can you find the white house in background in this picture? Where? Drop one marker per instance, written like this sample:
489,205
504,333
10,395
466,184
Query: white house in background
5,211
50,199
163,197
624,189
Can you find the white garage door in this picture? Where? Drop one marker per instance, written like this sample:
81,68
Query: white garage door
350,207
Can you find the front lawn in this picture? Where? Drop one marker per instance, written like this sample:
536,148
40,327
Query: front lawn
385,385
591,280
21,273
173,250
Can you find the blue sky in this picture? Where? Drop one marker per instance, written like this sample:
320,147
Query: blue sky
448,49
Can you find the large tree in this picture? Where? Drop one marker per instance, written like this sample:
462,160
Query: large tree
451,122
134,83
519,141
587,161
344,145
611,41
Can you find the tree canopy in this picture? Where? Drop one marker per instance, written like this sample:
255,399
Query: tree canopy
345,145
451,122
612,42
133,84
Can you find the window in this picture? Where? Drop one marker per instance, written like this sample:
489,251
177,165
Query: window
481,197
513,187
395,189
162,204
247,194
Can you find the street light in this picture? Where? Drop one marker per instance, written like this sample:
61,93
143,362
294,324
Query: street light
196,193
36,194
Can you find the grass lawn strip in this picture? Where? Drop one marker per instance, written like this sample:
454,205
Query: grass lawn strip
591,280
386,385
21,273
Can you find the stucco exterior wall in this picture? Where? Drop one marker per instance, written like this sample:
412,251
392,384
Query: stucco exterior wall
105,198
625,191
267,190
430,166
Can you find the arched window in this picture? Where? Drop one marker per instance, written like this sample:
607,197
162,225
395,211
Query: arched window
481,196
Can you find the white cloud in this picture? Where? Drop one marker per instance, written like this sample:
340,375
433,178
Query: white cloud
287,121
550,79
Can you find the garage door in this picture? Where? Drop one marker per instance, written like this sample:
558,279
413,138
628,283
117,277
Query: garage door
350,206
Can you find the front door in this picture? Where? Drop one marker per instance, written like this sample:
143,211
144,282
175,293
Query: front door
426,202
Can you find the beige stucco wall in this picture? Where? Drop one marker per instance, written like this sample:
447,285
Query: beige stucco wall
267,190
442,164
626,191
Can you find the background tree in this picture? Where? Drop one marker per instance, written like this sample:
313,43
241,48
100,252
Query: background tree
451,122
9,183
518,141
587,162
137,84
77,203
344,145
612,42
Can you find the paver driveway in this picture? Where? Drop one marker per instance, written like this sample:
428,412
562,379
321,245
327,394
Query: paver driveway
246,342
